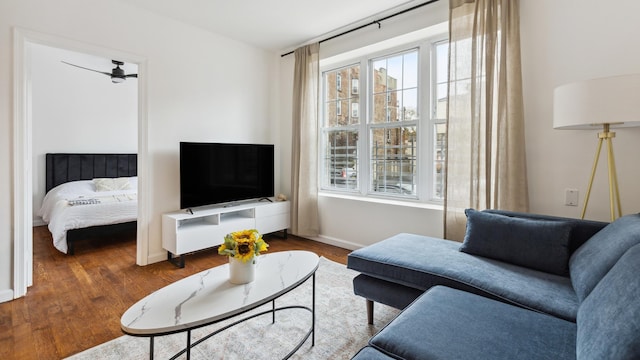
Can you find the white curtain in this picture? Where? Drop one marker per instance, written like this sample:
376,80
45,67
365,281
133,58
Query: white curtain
485,159
304,161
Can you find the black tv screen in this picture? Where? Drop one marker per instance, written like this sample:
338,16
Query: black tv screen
215,173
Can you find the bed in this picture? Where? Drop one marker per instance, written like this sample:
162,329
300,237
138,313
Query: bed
89,195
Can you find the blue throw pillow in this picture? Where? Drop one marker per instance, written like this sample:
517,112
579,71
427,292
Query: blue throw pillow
537,244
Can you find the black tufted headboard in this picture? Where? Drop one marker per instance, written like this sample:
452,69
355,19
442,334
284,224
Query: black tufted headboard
62,168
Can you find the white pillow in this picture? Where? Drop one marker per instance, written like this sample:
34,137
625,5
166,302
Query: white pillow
112,184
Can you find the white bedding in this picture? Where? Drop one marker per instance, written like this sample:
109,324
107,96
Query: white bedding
77,205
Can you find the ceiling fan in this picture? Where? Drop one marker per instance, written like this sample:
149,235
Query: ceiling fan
117,74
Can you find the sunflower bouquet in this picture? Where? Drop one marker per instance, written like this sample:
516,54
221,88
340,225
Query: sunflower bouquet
243,245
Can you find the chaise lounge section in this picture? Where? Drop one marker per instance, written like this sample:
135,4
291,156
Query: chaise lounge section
520,286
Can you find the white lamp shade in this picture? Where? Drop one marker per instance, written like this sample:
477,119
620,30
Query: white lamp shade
588,104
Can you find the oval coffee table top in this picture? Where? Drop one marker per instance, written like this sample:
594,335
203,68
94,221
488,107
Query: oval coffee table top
208,296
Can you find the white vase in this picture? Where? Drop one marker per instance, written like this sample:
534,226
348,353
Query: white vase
241,272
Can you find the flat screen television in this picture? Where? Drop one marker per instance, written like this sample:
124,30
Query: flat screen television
216,173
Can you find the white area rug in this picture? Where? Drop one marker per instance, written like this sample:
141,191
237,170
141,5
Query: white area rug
341,327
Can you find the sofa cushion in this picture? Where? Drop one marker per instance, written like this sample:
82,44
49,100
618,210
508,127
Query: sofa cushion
385,292
421,262
590,263
538,244
445,323
609,318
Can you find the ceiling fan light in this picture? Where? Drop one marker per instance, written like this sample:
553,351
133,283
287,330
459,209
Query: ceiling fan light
117,80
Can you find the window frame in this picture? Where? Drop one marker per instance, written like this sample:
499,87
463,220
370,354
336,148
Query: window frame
424,125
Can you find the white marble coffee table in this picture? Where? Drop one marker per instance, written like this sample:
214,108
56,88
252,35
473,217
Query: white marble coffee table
208,297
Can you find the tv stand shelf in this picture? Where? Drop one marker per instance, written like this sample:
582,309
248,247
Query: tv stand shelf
184,232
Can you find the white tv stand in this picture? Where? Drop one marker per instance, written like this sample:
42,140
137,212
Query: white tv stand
201,228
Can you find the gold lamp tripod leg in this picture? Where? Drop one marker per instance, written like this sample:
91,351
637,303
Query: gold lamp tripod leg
614,192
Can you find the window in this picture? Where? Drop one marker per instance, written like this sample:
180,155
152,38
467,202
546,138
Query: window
439,117
354,86
354,110
392,142
393,123
341,130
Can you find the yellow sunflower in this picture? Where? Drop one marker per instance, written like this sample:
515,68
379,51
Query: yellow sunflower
245,250
243,245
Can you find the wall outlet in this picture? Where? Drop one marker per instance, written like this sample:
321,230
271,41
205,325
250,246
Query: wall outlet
571,197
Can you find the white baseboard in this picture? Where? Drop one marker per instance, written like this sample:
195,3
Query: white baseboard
336,242
39,222
157,257
6,295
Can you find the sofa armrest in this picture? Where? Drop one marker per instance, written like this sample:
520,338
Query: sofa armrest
582,230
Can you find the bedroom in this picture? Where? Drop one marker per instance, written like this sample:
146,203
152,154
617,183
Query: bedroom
98,115
206,96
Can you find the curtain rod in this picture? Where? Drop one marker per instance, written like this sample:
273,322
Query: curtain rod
374,22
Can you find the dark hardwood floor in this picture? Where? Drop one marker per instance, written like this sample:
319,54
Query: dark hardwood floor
76,301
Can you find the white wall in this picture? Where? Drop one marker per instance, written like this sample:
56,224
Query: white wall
563,42
199,87
76,110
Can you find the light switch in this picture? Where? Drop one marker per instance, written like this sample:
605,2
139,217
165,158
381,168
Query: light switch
571,197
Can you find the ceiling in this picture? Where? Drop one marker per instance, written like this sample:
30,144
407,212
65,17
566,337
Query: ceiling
278,25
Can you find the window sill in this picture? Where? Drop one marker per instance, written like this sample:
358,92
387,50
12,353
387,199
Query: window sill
386,201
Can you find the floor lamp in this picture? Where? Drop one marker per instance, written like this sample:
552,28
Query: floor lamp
603,103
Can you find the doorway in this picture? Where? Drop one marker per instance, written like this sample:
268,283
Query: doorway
24,147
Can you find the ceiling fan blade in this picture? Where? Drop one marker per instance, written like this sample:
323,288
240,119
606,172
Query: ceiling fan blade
81,67
131,75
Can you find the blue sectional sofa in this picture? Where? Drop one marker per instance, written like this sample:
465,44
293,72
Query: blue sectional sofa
520,286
